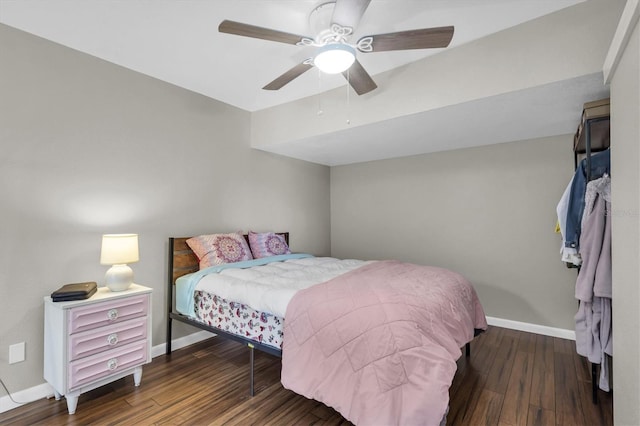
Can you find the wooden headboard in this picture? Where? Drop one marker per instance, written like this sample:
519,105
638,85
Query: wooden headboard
183,261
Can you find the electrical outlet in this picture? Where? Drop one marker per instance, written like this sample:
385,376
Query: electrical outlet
16,353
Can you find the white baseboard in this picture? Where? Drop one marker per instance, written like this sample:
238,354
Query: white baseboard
533,328
45,391
181,342
26,396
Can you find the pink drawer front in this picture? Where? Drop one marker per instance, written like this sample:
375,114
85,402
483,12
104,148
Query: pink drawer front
112,336
87,370
105,313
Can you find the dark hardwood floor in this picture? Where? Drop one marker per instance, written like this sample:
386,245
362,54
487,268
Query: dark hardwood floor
511,378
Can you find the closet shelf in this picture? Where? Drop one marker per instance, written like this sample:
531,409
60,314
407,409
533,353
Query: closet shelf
595,115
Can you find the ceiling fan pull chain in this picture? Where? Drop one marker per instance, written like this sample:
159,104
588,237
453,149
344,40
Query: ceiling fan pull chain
348,97
320,112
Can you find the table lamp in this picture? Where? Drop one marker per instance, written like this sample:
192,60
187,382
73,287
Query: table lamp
118,250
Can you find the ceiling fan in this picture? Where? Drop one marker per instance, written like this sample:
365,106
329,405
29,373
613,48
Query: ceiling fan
334,53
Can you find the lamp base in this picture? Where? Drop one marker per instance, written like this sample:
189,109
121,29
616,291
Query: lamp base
119,277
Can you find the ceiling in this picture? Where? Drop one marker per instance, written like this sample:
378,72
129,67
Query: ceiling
548,110
177,41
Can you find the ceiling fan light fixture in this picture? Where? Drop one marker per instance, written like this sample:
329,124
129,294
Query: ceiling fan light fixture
334,58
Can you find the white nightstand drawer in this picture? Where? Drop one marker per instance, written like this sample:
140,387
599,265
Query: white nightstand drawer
100,339
95,367
105,313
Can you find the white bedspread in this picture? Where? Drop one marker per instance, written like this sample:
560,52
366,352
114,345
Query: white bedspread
269,288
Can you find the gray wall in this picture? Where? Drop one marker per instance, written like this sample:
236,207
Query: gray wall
625,205
87,148
486,212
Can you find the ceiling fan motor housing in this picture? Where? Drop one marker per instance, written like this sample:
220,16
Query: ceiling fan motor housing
320,18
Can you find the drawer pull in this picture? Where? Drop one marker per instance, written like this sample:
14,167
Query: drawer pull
112,339
112,314
112,364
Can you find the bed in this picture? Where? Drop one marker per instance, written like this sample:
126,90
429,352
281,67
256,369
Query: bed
366,338
183,261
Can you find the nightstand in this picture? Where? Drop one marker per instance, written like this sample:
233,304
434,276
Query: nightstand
89,343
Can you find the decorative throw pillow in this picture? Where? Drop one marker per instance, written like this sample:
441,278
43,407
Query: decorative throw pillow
267,244
216,249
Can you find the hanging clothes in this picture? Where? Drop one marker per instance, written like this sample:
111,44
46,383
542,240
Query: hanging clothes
593,285
567,254
600,164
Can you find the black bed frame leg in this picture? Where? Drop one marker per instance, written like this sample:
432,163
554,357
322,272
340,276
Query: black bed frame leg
468,349
168,347
169,296
251,357
594,382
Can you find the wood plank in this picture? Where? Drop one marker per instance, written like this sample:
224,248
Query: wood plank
568,404
564,346
498,376
600,413
567,418
543,390
516,400
583,368
545,351
543,378
207,383
184,260
262,404
508,344
487,412
482,351
492,336
464,401
527,342
540,417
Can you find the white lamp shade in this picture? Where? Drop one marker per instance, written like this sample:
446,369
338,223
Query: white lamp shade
335,58
118,249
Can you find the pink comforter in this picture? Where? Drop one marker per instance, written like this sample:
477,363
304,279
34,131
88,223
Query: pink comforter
379,344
